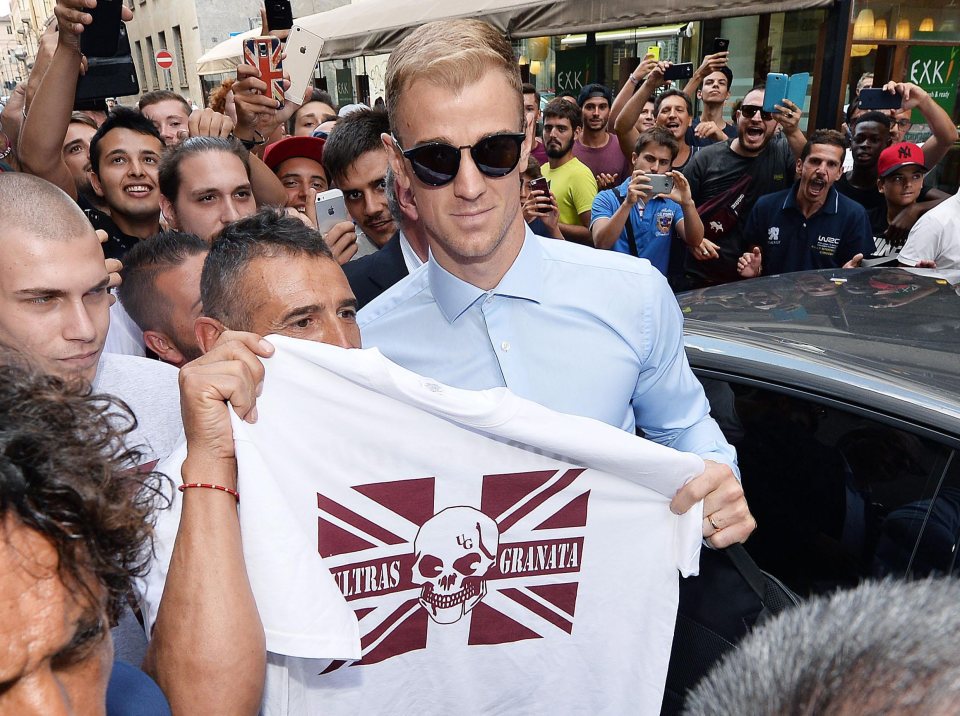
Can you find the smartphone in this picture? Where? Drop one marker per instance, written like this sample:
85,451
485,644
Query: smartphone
683,71
303,51
776,90
655,51
876,98
101,37
107,77
781,87
720,44
279,14
540,184
660,183
331,209
264,54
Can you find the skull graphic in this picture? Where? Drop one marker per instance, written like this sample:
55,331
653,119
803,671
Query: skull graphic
454,549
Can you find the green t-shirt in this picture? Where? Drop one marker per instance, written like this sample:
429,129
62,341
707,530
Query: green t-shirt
575,188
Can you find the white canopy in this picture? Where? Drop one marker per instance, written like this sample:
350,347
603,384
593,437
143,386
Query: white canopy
373,27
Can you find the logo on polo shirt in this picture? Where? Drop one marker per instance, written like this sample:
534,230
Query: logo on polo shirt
664,221
773,236
826,245
509,565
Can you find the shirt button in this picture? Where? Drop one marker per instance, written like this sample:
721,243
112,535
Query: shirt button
505,345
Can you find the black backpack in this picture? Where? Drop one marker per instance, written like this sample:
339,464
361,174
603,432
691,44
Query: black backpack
717,609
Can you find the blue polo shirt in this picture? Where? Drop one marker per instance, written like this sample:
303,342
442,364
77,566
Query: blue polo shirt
791,242
654,226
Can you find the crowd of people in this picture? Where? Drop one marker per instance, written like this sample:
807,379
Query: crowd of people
147,251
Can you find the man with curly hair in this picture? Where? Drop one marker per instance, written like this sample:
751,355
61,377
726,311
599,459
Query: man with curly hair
75,529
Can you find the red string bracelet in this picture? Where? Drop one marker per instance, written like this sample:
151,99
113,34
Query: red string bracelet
210,487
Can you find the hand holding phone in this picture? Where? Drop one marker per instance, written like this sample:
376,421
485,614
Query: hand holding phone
660,183
682,71
331,209
264,54
654,52
878,98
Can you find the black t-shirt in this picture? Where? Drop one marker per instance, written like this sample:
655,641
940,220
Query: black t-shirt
700,142
879,224
715,170
869,198
117,243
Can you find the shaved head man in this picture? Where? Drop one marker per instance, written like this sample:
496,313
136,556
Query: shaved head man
54,304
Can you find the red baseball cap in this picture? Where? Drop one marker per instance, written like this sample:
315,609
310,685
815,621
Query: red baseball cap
900,155
290,147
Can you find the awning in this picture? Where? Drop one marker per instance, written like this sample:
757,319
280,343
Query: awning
225,56
373,27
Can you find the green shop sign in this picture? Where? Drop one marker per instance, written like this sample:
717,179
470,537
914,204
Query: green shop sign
935,69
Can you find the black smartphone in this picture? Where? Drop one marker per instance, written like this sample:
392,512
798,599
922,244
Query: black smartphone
683,71
101,38
720,44
107,76
877,98
540,184
279,14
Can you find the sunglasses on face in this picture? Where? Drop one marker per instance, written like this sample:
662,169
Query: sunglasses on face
437,163
750,111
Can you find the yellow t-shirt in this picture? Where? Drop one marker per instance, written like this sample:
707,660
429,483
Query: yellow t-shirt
575,188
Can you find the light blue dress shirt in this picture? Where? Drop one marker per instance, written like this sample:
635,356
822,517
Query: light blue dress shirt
580,331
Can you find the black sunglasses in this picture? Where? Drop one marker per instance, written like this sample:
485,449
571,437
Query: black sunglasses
437,163
750,111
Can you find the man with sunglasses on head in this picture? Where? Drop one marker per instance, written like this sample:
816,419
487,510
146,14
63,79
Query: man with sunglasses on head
727,178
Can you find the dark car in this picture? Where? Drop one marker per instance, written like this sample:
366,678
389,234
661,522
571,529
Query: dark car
841,391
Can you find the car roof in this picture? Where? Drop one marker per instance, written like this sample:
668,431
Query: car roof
880,330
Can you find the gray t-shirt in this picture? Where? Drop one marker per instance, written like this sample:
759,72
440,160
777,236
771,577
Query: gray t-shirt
715,170
151,391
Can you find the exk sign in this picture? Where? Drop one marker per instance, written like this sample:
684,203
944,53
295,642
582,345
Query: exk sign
935,69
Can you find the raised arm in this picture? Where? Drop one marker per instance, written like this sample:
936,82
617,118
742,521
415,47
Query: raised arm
49,108
626,123
711,63
207,650
788,117
944,132
626,92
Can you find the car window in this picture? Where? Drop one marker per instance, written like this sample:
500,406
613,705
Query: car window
838,497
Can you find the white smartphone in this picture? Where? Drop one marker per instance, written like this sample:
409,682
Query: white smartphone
300,62
331,209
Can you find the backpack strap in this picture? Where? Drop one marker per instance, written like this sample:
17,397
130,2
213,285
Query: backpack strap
631,238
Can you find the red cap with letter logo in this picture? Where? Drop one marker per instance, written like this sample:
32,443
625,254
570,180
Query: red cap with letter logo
900,155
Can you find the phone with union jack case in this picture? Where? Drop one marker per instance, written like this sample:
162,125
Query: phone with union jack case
264,54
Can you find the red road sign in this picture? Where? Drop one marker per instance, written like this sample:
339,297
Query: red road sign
164,60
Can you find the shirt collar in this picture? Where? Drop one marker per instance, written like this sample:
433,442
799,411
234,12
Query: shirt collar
523,280
830,206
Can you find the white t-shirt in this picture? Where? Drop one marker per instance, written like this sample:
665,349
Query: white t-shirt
935,236
124,336
483,554
151,390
